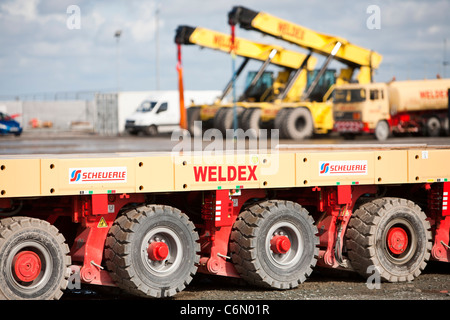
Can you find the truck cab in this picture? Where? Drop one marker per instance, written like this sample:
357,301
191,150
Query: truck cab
361,109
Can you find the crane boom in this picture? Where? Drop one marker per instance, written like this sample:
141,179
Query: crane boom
350,54
289,83
245,48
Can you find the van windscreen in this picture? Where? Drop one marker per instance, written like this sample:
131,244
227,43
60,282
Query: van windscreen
146,106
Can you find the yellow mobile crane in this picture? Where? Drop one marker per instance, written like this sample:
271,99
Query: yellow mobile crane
290,82
295,122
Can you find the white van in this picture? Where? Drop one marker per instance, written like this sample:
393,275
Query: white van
160,112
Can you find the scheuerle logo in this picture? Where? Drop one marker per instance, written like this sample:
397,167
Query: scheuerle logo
351,167
98,175
75,175
324,168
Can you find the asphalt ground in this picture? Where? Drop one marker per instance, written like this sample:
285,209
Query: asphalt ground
43,141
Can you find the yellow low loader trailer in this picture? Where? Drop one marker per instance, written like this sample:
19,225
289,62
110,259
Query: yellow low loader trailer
148,222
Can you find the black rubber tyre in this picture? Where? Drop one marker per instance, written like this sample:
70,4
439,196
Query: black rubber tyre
280,122
382,131
193,114
217,120
298,124
151,130
371,234
251,119
34,260
128,260
433,127
251,250
244,117
224,118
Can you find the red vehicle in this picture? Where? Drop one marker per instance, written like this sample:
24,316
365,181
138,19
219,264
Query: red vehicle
147,223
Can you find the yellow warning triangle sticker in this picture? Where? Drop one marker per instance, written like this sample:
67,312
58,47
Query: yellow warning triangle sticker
102,223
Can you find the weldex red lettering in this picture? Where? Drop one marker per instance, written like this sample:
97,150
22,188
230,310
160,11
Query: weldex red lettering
212,173
200,173
231,173
436,94
218,173
287,29
241,173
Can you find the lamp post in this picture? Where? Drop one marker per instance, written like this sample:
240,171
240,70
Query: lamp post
445,63
117,35
157,11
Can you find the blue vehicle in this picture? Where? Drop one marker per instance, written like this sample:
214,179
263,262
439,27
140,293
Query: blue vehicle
8,125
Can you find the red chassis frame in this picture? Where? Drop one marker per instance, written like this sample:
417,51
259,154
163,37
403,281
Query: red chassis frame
220,208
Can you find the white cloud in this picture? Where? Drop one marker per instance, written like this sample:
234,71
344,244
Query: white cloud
98,19
21,8
141,30
39,46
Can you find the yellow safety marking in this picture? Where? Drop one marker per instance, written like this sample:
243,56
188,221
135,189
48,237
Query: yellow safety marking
102,223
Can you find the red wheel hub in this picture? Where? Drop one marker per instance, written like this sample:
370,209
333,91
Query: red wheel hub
27,266
280,244
158,251
397,240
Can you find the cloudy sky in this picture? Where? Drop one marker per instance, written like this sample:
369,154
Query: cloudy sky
41,53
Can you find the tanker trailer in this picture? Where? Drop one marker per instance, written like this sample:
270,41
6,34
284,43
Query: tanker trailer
397,107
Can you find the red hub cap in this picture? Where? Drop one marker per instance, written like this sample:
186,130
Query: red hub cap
157,251
280,244
397,240
27,266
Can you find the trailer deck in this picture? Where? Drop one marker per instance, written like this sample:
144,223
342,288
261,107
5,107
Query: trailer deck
286,166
